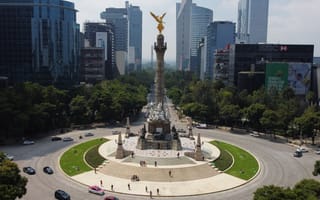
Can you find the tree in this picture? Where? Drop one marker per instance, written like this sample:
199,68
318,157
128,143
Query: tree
316,170
272,192
12,184
230,114
253,113
308,186
270,120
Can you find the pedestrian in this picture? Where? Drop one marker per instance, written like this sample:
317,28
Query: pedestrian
146,189
178,154
128,186
155,163
150,194
157,191
111,187
132,154
170,173
95,170
101,183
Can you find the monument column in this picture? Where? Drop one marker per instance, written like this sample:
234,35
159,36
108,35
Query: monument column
160,47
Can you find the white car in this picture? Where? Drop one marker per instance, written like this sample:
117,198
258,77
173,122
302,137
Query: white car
96,190
67,139
317,151
303,149
28,142
9,157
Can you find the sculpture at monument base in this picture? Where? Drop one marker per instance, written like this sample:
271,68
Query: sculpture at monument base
121,152
197,155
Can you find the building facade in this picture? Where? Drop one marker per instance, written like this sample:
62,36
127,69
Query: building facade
252,21
127,24
135,38
254,57
191,27
92,64
101,35
219,35
39,41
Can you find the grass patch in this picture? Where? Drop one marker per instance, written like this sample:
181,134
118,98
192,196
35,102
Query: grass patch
93,158
245,165
72,162
225,159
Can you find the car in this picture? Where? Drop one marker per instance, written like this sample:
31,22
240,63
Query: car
28,142
96,190
111,198
297,153
254,134
303,149
67,139
61,195
29,170
9,157
56,138
88,134
47,170
317,151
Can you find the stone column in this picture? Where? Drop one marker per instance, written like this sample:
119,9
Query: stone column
160,47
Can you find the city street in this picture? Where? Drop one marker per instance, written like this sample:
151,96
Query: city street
278,166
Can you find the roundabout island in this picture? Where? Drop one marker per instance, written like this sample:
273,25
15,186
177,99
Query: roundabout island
166,172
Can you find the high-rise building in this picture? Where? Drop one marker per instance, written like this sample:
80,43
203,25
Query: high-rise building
219,35
191,26
101,35
252,21
128,36
135,37
39,41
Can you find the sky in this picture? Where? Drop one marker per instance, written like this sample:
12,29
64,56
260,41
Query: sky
290,21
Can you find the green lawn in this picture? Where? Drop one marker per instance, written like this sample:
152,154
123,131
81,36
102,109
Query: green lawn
93,158
245,165
72,162
225,159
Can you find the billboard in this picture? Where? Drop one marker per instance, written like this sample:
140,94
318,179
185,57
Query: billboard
299,77
276,76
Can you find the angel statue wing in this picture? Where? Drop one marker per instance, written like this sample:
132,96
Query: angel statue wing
155,17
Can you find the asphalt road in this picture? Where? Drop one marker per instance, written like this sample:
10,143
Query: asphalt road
278,166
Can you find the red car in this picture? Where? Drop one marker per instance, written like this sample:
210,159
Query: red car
96,190
111,198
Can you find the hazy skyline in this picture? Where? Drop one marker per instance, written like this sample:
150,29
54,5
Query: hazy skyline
290,21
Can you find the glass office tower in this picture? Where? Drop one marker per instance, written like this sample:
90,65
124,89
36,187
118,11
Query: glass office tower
39,41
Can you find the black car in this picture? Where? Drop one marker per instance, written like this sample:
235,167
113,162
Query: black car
61,195
56,138
47,170
29,170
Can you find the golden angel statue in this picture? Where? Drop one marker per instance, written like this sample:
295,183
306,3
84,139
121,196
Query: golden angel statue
159,19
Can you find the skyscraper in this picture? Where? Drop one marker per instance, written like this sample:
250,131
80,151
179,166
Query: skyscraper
252,21
39,41
135,37
219,35
191,22
101,35
119,18
128,36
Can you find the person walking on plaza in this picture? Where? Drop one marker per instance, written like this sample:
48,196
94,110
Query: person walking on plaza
150,194
111,187
129,186
101,183
170,173
146,189
158,191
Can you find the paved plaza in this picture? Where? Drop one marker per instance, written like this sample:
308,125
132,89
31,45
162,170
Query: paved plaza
172,175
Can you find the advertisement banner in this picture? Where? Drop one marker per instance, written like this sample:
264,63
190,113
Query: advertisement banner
276,76
299,77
